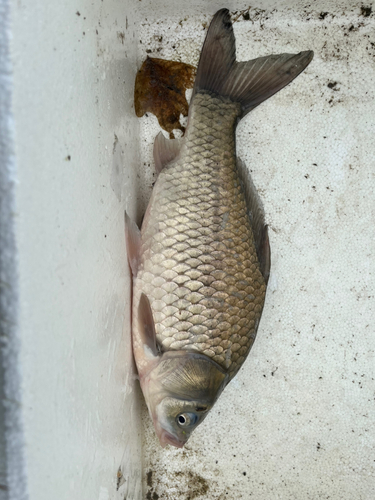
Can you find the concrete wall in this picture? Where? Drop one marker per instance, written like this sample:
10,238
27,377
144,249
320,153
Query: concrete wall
296,422
75,140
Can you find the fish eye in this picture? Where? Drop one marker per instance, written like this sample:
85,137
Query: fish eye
186,419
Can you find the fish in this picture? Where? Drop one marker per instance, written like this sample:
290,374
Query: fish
201,261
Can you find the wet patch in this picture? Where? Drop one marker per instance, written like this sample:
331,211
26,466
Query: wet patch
188,485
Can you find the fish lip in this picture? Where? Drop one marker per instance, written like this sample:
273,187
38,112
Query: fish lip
166,437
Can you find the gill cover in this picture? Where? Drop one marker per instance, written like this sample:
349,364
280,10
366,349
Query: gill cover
180,391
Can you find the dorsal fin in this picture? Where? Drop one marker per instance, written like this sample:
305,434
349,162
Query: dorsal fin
257,218
165,150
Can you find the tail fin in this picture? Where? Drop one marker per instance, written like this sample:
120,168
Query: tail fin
251,82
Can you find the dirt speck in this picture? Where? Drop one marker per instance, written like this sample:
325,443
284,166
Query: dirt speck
152,495
115,142
149,478
119,479
332,86
366,11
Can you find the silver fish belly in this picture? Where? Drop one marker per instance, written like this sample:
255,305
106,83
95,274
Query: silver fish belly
201,260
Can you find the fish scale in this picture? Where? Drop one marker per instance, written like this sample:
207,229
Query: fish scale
199,267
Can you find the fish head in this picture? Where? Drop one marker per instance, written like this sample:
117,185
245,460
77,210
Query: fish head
179,392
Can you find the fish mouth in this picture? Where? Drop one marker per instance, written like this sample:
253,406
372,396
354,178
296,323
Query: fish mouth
166,437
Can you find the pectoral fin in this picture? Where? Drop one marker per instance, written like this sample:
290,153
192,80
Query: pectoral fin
147,327
165,150
133,243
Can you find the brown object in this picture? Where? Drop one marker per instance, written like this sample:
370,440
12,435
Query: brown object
160,89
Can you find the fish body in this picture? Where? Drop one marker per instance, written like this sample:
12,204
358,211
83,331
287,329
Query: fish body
201,260
199,267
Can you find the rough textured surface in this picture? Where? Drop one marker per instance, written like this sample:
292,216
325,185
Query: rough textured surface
199,266
296,422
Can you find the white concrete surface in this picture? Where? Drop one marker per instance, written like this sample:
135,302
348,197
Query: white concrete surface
297,422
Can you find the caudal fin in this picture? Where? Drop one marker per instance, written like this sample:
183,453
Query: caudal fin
251,82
